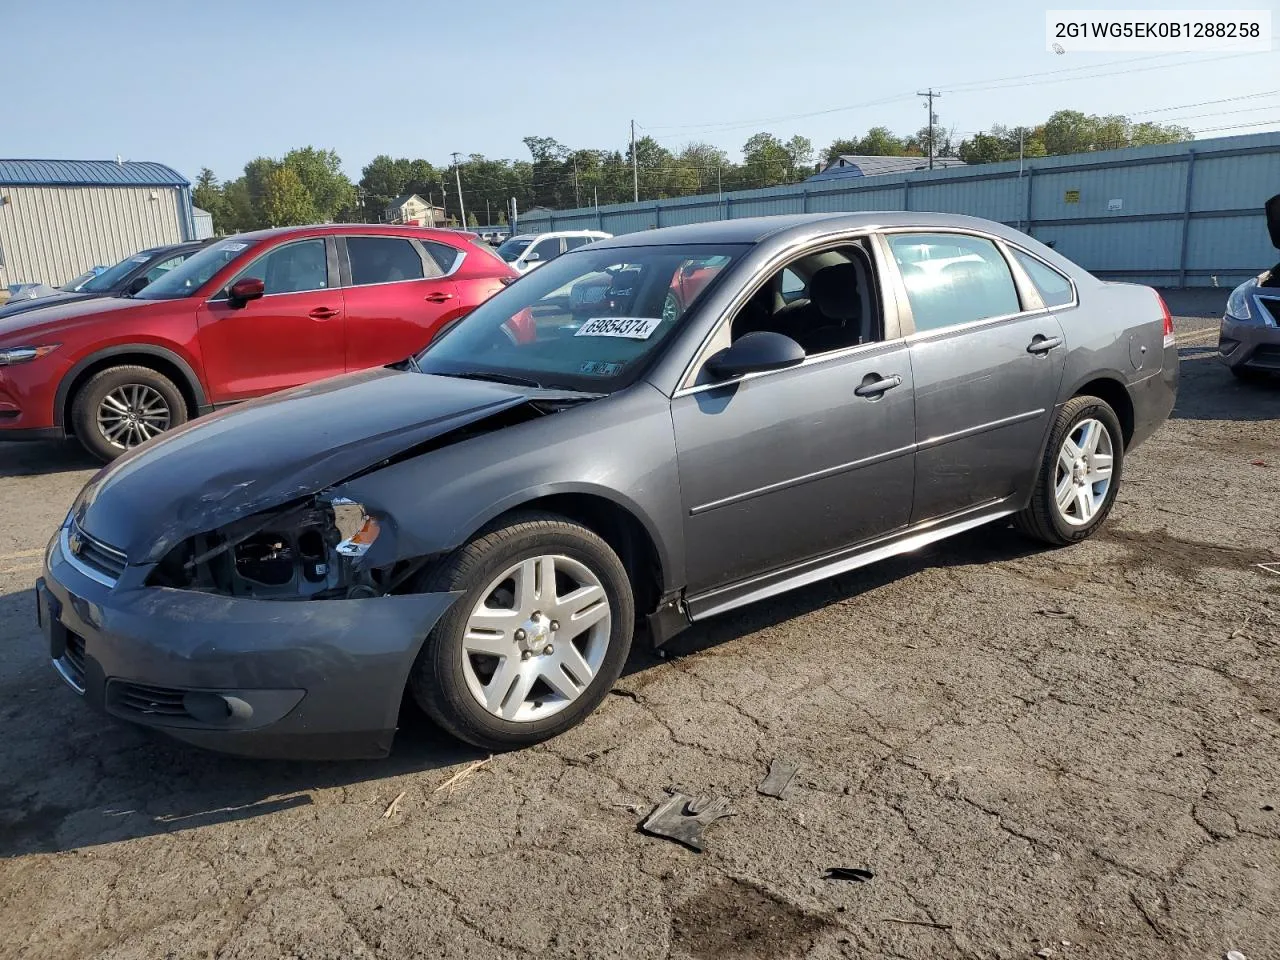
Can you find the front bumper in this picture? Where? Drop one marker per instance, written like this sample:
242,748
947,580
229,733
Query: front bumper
263,678
1249,346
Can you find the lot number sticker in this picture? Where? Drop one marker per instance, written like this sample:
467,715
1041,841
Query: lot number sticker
632,328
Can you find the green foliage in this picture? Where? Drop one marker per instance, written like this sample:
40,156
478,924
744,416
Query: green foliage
308,185
285,199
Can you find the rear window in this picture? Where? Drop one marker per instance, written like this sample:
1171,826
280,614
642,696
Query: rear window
1055,289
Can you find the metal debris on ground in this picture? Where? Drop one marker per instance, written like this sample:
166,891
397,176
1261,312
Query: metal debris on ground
1057,614
461,775
1236,955
781,773
855,874
393,806
1270,567
683,818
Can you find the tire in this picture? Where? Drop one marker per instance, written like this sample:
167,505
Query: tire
1042,518
153,391
450,678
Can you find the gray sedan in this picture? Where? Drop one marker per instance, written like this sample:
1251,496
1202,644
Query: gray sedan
650,430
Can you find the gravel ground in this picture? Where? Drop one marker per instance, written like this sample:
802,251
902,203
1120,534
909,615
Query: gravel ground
1070,753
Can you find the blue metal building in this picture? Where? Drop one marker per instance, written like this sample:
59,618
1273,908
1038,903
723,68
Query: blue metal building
58,218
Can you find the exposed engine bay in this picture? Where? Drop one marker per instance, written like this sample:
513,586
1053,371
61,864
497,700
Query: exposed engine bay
312,550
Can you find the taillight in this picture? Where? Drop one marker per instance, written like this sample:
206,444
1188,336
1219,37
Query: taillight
1169,339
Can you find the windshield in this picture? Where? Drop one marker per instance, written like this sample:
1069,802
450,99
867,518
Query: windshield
510,251
111,277
590,320
194,272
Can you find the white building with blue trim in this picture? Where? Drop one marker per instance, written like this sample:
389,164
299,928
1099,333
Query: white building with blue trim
58,218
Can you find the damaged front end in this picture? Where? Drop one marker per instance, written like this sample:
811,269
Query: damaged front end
326,547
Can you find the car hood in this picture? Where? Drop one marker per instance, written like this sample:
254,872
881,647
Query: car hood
278,449
53,314
61,298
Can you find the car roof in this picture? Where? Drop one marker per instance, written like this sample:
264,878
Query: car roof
790,227
325,229
560,233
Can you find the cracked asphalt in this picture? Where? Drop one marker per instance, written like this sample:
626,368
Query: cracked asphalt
1070,751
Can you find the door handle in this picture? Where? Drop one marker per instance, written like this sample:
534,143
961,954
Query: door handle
323,313
1042,344
873,388
439,297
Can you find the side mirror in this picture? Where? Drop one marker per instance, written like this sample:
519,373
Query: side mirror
755,352
242,291
531,257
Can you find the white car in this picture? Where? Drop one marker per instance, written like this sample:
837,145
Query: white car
529,250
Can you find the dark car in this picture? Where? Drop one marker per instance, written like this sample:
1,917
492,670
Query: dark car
481,525
1249,337
245,316
127,277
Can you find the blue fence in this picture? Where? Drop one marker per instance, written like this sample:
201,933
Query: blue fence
1186,214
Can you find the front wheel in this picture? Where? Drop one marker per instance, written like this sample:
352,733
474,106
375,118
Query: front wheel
538,637
1079,476
121,407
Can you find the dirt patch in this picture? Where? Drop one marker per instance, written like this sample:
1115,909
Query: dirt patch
733,920
1182,558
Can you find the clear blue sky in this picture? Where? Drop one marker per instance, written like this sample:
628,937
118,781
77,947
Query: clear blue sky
217,84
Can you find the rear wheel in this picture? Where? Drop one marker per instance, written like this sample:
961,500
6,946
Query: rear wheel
121,407
1079,476
538,637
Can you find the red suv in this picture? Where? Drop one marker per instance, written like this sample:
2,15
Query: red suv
248,315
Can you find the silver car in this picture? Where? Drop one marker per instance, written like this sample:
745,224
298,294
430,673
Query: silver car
737,409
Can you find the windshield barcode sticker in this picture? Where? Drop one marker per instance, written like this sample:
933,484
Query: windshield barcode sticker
633,328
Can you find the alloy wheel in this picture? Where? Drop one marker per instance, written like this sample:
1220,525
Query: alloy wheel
133,413
537,638
1082,478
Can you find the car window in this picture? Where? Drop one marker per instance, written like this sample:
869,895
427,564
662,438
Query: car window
163,267
445,256
511,249
792,284
573,243
1055,289
197,270
587,322
953,279
383,260
547,249
111,278
838,308
291,268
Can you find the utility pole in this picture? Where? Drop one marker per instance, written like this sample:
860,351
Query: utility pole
513,217
577,201
457,172
635,164
931,95
488,217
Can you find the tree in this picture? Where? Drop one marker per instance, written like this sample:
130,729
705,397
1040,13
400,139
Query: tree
237,211
285,201
800,152
472,221
320,173
207,195
838,149
880,142
767,160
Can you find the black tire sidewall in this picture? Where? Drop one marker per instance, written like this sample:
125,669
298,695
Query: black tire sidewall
437,681
1095,410
84,408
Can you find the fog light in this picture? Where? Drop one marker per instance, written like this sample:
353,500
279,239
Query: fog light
216,707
